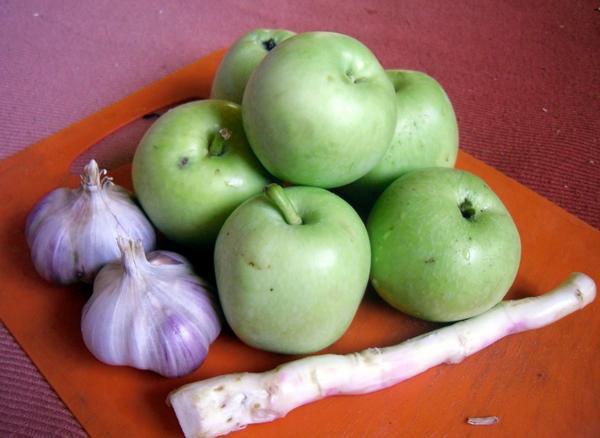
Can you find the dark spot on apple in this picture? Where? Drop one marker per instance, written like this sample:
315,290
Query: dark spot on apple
269,44
370,11
467,210
430,260
352,77
540,375
271,289
217,171
254,265
219,388
183,161
230,419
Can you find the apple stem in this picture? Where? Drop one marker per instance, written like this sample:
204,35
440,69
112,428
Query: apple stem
217,145
467,210
277,195
269,44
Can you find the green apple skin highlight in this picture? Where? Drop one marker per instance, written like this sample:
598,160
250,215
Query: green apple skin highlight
444,247
319,110
240,61
426,135
193,167
292,288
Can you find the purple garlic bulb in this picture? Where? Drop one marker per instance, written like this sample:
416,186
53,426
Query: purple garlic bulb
72,232
150,313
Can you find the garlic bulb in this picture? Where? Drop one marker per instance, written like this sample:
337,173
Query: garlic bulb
150,313
72,232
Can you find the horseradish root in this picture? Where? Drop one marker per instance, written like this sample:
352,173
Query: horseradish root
223,404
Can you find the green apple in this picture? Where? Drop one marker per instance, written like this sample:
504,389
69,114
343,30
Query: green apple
240,61
291,268
444,247
426,135
319,110
193,167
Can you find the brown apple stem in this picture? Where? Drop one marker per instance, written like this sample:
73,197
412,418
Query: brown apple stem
269,44
467,210
217,145
277,195
226,403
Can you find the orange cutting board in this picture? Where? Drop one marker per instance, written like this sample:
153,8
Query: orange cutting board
545,382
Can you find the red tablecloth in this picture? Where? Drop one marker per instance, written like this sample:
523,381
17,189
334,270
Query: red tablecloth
523,77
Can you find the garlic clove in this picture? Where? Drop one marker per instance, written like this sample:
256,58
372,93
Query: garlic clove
166,258
150,313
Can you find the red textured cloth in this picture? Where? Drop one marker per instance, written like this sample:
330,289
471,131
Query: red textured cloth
523,77
28,405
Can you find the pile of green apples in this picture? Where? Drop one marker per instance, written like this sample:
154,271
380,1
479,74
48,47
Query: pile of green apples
314,112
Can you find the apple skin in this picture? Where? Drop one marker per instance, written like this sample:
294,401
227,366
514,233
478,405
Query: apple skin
426,135
185,190
431,262
319,110
292,288
240,61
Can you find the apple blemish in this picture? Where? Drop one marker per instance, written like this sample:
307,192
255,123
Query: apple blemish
183,162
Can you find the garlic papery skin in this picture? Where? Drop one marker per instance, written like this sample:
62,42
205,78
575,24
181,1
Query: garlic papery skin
72,232
150,313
